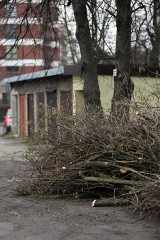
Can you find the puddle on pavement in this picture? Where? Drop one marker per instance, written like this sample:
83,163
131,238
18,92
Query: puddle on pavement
5,227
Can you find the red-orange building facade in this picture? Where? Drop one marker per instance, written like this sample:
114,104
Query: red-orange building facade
27,42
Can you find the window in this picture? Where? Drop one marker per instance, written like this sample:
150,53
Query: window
11,10
52,99
11,53
11,31
51,34
11,71
5,99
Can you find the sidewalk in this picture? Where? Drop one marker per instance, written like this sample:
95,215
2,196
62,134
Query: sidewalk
10,145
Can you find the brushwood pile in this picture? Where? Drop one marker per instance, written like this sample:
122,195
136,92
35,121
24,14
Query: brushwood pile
89,157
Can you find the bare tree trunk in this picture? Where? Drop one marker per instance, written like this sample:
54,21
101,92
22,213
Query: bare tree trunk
123,86
69,39
155,55
88,55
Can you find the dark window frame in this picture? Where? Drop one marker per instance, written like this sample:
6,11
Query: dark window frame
11,10
12,71
11,53
10,31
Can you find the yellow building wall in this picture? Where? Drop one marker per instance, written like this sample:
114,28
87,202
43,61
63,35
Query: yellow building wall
146,90
106,85
77,86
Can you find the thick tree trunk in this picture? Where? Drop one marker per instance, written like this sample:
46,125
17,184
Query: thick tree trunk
88,55
123,86
155,54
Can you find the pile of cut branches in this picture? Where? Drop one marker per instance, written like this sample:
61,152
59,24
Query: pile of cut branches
91,157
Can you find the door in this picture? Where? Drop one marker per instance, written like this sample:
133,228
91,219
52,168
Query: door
30,113
65,131
15,114
40,111
52,111
66,102
22,115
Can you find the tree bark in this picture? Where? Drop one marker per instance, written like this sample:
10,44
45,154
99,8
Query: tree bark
110,202
88,55
123,86
111,180
155,54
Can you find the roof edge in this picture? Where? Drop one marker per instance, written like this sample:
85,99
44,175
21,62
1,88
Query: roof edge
35,75
138,71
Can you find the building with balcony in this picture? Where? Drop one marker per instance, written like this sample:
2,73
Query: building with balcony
30,38
28,42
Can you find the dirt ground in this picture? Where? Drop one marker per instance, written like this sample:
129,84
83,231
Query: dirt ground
27,218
